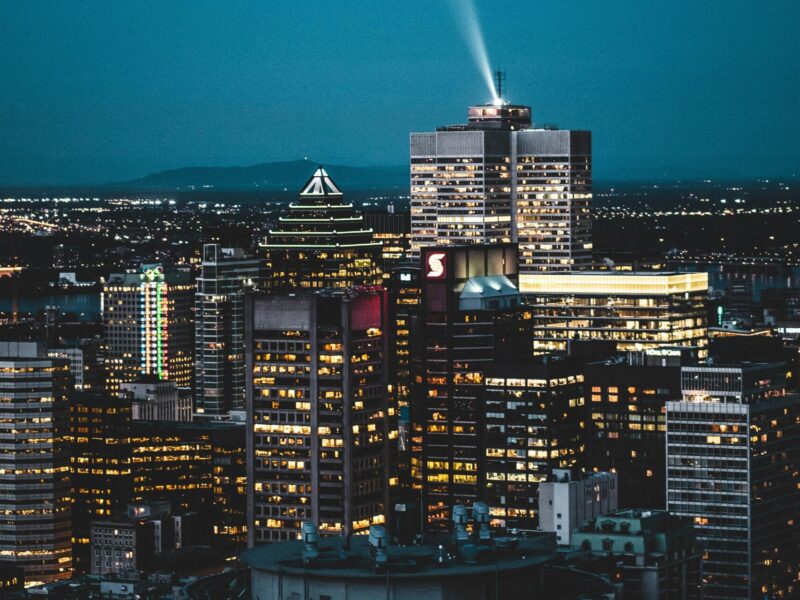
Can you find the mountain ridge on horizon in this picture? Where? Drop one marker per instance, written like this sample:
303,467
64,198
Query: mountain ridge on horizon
278,175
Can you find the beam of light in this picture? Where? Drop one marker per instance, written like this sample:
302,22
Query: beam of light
471,30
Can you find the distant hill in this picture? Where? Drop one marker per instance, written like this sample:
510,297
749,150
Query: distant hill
272,176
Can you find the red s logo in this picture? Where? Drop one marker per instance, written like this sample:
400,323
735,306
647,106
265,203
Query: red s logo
436,262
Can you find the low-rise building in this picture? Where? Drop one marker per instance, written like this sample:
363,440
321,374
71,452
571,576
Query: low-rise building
568,500
654,554
467,566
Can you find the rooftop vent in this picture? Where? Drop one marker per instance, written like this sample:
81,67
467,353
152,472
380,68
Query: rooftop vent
480,514
378,541
460,523
310,535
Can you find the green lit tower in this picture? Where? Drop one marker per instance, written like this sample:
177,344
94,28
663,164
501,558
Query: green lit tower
321,242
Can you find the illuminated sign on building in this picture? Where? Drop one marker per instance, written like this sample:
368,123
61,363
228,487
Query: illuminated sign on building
436,265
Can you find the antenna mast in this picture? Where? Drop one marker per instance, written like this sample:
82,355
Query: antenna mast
499,79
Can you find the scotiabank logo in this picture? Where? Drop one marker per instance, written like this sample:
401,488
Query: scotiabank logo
436,265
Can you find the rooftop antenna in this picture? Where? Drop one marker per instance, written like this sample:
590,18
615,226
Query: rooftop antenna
499,80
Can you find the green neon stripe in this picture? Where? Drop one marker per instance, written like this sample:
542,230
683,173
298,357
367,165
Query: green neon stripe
159,359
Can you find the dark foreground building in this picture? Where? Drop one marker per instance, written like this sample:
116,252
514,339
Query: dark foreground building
459,566
471,317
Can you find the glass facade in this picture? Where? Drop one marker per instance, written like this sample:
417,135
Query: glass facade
226,275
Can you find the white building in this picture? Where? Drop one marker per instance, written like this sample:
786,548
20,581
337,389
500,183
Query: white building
567,502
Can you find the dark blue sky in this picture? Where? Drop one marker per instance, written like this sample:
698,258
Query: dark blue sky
103,91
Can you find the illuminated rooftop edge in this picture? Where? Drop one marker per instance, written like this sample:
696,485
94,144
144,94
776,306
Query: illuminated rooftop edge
604,283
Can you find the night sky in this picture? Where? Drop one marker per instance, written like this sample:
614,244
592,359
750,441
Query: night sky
112,90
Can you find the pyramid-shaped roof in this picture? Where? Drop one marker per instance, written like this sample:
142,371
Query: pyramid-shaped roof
320,184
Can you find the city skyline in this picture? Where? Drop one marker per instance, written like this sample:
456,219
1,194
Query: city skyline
489,372
99,94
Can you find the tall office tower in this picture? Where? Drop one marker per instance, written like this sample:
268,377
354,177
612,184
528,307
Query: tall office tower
393,230
471,317
227,273
497,179
321,429
626,398
322,242
533,422
34,462
733,467
147,318
636,310
100,465
405,351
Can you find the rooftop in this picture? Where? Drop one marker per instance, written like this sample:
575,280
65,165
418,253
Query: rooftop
320,184
624,283
418,561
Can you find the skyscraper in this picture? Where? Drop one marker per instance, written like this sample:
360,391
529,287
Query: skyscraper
34,462
497,179
322,242
147,318
471,315
227,273
321,428
733,467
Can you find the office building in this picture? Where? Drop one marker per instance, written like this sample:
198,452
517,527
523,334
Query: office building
734,470
636,310
74,358
34,462
499,179
153,399
229,481
133,540
321,242
172,461
100,465
147,317
405,300
471,316
653,554
393,230
569,498
533,421
626,398
321,428
226,275
196,467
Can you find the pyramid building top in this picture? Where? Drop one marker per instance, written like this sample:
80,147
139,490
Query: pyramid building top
320,184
